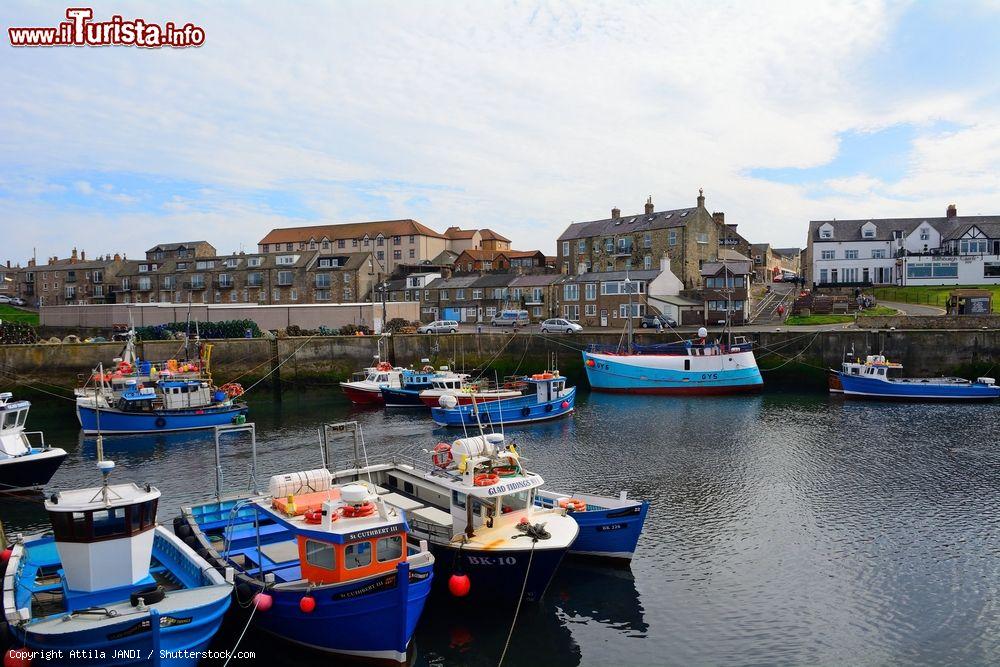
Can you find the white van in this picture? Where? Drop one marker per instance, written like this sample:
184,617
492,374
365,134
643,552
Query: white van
511,318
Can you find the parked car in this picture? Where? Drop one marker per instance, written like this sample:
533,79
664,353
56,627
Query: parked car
652,321
18,301
4,298
559,324
511,318
439,326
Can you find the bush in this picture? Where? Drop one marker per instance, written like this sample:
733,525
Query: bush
353,329
208,330
396,325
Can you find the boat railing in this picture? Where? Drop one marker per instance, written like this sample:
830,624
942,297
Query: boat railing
41,438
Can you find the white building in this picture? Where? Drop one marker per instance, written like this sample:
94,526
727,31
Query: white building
950,250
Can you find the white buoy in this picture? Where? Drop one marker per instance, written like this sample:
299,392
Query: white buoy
447,401
702,332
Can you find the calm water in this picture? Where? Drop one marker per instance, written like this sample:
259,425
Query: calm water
783,529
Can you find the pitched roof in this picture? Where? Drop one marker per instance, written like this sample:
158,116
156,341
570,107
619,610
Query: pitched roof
167,247
628,223
494,280
512,254
490,235
786,252
599,276
478,254
349,230
949,228
714,268
452,283
537,280
454,233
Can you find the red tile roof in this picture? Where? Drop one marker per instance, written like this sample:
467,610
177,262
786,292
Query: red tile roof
349,230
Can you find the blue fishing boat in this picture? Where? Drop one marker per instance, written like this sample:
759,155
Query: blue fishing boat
112,583
550,399
878,378
323,565
166,405
609,527
23,466
687,367
411,383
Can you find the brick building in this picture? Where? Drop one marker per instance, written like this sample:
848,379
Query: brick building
470,261
726,286
687,236
72,281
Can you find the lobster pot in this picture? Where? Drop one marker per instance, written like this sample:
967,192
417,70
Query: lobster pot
296,483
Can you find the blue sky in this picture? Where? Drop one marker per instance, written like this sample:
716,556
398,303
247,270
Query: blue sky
523,117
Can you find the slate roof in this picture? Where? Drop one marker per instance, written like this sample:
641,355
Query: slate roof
494,280
539,280
949,228
168,247
628,224
786,252
714,268
601,276
455,282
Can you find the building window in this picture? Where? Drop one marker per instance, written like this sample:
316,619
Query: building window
397,254
341,243
322,280
826,234
647,262
925,234
380,241
972,247
581,246
126,284
443,295
329,263
571,292
397,240
285,260
590,310
827,254
702,237
589,291
143,268
571,312
380,255
293,294
412,252
878,253
565,247
609,245
477,294
144,283
647,240
326,244
459,294
869,233
204,264
850,254
275,294
285,277
323,295
254,261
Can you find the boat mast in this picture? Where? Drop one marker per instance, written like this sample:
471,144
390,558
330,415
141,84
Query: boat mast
628,318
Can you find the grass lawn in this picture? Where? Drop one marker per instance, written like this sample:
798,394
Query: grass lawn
878,311
802,320
9,313
931,295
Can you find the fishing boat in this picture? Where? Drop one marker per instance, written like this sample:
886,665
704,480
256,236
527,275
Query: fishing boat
160,406
111,584
411,383
465,391
23,465
609,527
365,388
550,399
473,502
878,378
325,565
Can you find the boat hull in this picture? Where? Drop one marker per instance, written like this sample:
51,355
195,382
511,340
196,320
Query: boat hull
31,471
610,533
433,400
673,374
856,387
498,576
117,421
402,398
362,395
523,410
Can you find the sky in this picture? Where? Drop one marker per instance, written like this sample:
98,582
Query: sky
518,116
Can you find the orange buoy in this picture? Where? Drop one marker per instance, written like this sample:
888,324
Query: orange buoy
486,479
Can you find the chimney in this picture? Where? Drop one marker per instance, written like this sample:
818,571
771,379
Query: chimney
83,256
118,257
701,198
55,258
649,205
72,257
664,263
616,213
31,262
720,217
952,211
8,263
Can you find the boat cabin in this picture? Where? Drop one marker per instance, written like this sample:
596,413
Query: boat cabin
181,394
548,386
13,438
875,366
104,535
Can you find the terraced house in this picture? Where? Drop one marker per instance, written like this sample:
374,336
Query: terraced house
71,281
687,236
286,278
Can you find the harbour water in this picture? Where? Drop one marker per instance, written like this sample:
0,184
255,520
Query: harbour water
783,528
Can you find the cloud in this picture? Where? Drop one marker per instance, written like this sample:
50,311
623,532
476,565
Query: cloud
520,117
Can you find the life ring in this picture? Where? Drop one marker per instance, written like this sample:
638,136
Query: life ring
384,366
542,376
124,367
428,369
442,456
314,516
573,504
355,511
486,479
506,471
160,422
233,389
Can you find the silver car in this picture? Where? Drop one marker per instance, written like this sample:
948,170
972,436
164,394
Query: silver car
560,324
439,326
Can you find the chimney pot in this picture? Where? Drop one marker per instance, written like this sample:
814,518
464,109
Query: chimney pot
720,217
649,205
952,211
83,256
616,213
701,198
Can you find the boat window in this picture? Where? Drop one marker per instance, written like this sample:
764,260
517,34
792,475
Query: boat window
687,364
856,371
881,371
389,548
382,378
515,501
407,487
321,554
22,416
358,555
70,526
109,523
458,499
5,420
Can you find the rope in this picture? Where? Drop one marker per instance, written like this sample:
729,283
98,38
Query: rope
237,645
280,364
520,599
788,360
503,347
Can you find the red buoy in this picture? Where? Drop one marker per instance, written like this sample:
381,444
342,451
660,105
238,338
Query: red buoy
565,405
263,601
5,554
590,362
307,604
459,585
17,658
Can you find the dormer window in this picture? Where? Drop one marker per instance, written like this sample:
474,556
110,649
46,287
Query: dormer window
868,233
826,234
